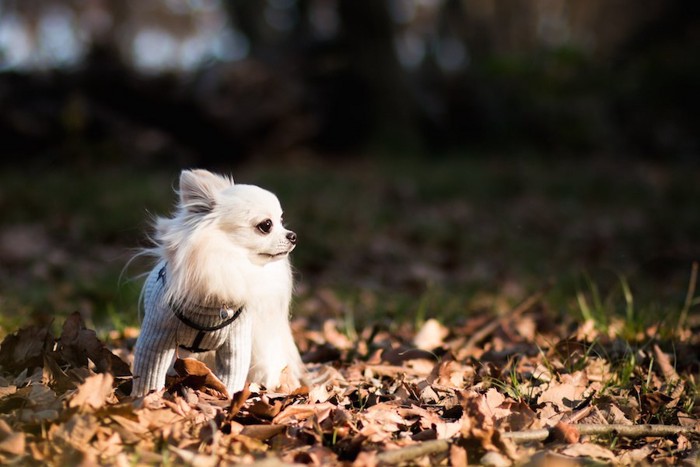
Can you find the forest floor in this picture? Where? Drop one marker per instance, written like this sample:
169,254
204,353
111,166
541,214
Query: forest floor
494,311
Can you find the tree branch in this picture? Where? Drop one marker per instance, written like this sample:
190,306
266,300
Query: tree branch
437,446
628,431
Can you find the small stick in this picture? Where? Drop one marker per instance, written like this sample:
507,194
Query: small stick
437,446
628,431
414,451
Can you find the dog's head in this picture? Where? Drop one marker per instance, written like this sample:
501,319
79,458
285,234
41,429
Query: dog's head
247,216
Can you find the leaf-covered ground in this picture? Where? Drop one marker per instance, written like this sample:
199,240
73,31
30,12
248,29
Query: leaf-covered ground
416,310
524,387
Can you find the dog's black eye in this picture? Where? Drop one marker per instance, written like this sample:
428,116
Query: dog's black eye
265,226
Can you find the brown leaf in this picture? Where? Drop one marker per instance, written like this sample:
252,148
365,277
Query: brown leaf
78,344
458,456
238,401
131,431
654,401
7,390
195,458
393,370
108,443
288,383
262,432
366,459
334,337
612,412
93,393
491,403
11,442
382,420
56,378
36,397
264,408
78,431
495,459
521,416
197,375
639,456
426,393
431,335
478,424
25,349
589,450
563,432
160,418
317,455
664,363
451,374
565,396
304,411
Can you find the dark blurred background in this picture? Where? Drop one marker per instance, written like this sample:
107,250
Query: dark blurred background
458,145
207,81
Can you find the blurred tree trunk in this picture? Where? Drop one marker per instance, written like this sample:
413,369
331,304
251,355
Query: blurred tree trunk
247,16
367,37
266,43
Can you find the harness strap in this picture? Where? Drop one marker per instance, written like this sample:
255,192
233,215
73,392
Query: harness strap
180,315
177,311
195,344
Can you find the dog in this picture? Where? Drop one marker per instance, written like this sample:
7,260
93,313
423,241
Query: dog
223,283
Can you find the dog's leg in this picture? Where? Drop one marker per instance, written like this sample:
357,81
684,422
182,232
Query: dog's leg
151,363
155,349
233,357
155,346
273,351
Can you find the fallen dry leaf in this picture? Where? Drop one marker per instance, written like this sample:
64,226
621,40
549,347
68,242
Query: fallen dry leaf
238,401
262,432
195,458
376,396
565,396
664,363
11,442
431,335
590,451
458,456
563,432
196,375
78,344
25,349
302,412
265,408
94,392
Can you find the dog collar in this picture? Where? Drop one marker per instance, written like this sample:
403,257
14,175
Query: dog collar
227,313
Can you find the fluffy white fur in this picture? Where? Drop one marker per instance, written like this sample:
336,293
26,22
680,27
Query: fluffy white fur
217,251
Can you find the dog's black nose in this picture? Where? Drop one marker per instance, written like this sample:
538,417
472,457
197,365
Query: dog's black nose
292,237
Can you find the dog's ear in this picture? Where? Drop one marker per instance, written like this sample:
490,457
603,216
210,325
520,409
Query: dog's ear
199,189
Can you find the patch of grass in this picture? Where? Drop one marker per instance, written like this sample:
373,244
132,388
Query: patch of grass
423,238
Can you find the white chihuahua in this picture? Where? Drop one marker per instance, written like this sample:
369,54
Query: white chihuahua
222,283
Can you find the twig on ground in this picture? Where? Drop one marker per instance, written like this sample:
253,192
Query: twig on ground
414,451
438,446
628,431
